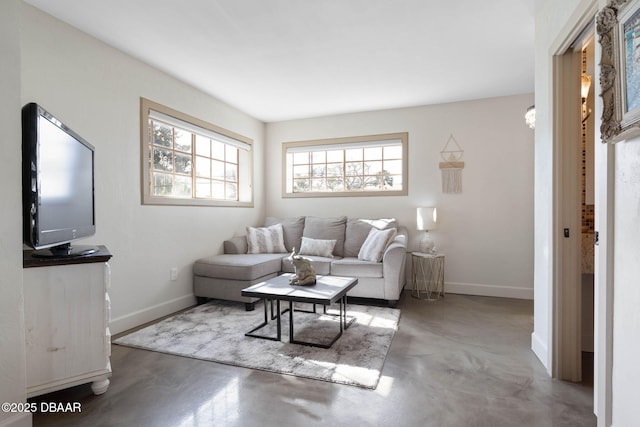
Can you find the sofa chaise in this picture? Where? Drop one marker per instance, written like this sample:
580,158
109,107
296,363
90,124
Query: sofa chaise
373,251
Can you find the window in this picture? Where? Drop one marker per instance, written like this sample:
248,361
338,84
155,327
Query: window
357,166
186,161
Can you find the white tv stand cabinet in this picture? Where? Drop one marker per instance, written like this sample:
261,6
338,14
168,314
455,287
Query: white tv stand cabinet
67,314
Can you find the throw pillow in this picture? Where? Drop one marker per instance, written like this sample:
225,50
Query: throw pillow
317,247
358,230
374,246
265,240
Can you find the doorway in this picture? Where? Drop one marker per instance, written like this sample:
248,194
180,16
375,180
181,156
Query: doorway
587,203
575,216
566,305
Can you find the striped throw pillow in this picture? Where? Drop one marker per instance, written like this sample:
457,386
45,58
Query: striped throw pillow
375,244
265,240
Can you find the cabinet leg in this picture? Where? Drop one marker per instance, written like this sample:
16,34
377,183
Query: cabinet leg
99,387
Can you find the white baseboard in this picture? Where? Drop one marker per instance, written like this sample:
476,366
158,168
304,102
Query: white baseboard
541,351
488,290
149,314
23,419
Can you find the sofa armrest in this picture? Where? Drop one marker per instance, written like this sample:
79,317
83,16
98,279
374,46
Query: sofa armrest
236,245
393,266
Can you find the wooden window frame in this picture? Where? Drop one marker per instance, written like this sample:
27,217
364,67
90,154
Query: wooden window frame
244,165
344,144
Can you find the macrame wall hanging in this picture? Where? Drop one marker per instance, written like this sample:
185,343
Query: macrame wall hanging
452,166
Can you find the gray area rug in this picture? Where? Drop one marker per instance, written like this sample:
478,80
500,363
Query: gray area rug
215,332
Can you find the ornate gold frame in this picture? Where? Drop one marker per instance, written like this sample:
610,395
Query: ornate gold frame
617,123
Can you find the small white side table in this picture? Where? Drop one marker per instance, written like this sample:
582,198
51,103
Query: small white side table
427,273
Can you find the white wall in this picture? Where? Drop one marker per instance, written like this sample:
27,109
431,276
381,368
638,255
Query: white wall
626,320
12,344
95,90
487,231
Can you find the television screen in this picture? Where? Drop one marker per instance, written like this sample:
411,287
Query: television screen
58,191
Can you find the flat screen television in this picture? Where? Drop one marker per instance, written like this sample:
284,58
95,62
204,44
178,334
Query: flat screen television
58,201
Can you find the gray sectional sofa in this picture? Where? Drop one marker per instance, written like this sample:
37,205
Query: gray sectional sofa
337,246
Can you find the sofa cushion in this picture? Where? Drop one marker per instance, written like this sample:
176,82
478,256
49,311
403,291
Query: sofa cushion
353,267
238,267
265,240
319,247
322,265
291,229
357,230
327,229
377,241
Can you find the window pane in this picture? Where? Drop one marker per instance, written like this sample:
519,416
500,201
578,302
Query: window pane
319,170
232,191
300,185
319,157
217,190
393,182
217,150
393,166
301,171
182,140
353,154
162,159
353,183
372,168
318,184
354,168
335,156
203,167
334,169
231,172
373,183
203,146
203,188
335,184
183,163
162,135
182,186
232,154
393,152
373,153
300,158
162,184
217,169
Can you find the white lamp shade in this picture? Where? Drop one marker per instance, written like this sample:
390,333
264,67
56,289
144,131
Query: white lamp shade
427,218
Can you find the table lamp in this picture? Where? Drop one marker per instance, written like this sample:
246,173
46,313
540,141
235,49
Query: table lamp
427,219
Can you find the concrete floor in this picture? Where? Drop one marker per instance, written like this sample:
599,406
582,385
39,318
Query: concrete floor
461,361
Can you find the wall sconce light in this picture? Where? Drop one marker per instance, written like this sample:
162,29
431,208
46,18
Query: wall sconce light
427,219
530,117
585,85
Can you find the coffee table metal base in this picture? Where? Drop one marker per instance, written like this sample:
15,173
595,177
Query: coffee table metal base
342,314
266,322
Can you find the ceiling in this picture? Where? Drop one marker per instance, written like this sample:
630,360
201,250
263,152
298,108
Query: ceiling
286,59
